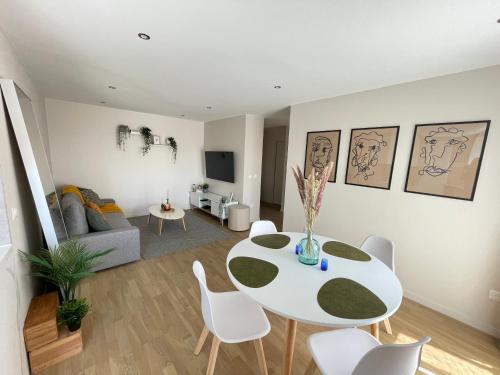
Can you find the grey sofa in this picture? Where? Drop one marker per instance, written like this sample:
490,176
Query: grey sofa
124,238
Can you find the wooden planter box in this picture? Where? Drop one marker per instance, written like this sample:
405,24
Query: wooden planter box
46,344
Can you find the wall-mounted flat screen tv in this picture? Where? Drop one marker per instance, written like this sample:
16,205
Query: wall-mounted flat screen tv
219,165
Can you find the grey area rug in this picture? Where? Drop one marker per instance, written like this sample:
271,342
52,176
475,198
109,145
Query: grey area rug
199,232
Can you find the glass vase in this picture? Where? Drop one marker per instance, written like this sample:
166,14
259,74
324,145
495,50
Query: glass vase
309,253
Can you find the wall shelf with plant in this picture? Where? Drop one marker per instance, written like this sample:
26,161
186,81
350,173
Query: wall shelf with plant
124,133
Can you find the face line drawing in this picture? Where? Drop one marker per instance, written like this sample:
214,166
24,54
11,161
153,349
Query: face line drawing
365,153
441,150
321,151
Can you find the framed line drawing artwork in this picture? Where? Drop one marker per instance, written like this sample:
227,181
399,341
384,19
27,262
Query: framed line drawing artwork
156,139
446,158
371,156
321,148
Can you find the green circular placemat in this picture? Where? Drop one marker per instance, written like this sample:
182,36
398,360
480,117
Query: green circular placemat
343,250
348,299
272,241
253,272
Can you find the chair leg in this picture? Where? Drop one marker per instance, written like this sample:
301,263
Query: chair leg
201,340
213,355
311,369
260,356
374,328
387,325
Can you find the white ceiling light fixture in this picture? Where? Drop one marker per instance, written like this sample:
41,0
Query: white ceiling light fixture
277,87
112,87
102,102
209,107
144,36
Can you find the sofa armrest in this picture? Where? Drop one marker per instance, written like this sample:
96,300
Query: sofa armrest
125,243
108,200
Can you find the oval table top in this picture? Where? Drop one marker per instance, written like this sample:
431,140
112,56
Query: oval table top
293,292
173,214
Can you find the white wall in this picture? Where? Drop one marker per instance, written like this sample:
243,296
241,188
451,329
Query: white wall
447,250
254,133
84,152
243,136
228,135
16,286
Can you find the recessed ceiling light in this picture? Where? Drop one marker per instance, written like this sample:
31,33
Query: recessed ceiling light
182,115
102,102
144,36
208,107
498,20
277,87
112,87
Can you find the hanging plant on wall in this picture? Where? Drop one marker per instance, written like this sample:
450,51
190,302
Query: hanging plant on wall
148,139
123,133
170,142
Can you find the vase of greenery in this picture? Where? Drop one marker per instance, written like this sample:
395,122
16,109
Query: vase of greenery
148,139
65,265
205,188
72,312
171,142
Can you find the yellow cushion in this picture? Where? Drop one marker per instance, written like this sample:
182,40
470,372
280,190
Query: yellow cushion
110,207
73,189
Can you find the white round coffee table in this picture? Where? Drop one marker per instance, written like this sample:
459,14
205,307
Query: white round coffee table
173,214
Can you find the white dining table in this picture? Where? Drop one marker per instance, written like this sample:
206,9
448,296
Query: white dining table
293,292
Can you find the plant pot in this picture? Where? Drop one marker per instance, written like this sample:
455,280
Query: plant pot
74,326
310,248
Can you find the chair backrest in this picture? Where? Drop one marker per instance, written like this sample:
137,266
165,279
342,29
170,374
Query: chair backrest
262,227
381,248
206,306
402,359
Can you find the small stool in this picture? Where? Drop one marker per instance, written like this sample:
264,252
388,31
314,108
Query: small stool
239,217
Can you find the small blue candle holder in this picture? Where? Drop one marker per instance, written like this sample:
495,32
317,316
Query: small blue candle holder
297,249
324,264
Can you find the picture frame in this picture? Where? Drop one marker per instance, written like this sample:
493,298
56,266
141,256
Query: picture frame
445,159
321,148
372,151
156,140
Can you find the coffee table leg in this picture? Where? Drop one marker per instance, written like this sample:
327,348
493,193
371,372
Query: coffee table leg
291,330
184,224
160,226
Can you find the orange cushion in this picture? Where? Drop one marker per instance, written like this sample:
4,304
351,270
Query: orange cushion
94,206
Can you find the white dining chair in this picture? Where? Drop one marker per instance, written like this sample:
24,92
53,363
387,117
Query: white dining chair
232,318
353,351
262,227
382,249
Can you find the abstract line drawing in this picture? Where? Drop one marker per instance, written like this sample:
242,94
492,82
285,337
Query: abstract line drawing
322,147
446,157
365,152
441,149
321,153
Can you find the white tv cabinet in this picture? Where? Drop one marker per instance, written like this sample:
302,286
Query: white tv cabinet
210,203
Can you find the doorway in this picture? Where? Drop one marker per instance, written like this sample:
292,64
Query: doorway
274,155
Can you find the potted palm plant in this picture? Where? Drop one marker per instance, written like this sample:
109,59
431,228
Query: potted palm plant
65,265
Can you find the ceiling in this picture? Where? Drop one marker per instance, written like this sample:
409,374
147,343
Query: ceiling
229,54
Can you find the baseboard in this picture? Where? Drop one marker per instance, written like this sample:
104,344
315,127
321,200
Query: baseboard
487,328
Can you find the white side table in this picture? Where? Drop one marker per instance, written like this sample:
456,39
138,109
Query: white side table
173,214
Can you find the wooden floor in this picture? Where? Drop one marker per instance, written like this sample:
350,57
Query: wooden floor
146,319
